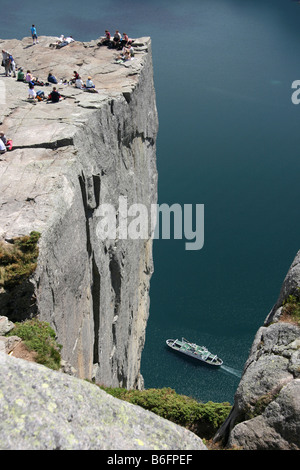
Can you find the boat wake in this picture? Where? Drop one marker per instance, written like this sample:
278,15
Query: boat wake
232,371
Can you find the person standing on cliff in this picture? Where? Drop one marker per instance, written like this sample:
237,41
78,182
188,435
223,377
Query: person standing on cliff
6,61
34,35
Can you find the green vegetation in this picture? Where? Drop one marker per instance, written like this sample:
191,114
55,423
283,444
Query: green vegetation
38,336
18,260
292,307
204,419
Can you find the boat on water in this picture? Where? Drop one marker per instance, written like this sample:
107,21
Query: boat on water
193,350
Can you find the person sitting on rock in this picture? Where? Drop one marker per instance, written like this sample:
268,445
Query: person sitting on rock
54,96
79,83
6,142
124,41
130,49
75,77
3,138
89,86
124,55
2,147
20,75
52,78
106,40
117,39
29,77
89,83
40,95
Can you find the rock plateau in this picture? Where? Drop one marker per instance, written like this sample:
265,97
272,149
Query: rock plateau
68,159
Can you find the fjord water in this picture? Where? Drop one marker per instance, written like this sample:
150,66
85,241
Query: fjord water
228,139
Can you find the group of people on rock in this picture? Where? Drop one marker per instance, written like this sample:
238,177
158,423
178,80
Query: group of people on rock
87,86
120,43
117,41
62,42
54,96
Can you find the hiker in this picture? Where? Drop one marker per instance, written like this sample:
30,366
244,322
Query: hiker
65,42
117,39
4,57
5,61
34,35
20,75
40,95
31,92
78,83
126,54
89,83
124,41
106,40
3,138
52,78
130,49
12,65
76,76
29,77
54,96
6,142
2,147
89,86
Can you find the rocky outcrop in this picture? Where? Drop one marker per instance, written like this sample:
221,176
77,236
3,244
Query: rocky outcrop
68,159
45,410
266,411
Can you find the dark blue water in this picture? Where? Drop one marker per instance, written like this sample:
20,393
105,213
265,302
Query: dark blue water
228,139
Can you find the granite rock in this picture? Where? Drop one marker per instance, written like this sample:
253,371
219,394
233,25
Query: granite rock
266,411
42,409
67,160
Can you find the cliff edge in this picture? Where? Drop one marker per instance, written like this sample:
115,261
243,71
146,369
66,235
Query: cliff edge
68,159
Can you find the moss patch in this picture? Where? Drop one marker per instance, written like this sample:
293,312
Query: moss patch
38,336
291,308
18,259
204,419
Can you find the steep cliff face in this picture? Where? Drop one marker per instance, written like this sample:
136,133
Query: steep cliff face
266,411
68,160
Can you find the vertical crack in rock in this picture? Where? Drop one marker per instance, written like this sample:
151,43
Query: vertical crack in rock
96,285
87,213
90,190
115,273
97,188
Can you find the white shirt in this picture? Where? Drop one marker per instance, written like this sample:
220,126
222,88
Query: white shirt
78,83
2,146
31,93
